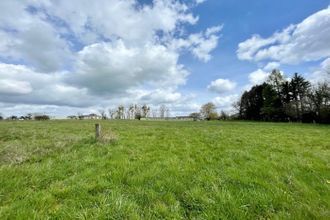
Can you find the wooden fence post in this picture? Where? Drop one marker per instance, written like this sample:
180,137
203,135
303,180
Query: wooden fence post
97,131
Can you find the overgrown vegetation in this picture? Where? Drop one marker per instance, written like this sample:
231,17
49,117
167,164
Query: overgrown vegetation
173,170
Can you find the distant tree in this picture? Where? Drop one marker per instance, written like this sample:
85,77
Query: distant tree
145,111
251,103
272,109
299,88
213,116
208,111
72,117
41,117
286,100
13,117
80,116
28,116
131,111
138,116
195,115
223,115
103,114
154,113
127,113
237,105
276,80
162,110
120,112
1,117
320,101
167,112
137,112
112,113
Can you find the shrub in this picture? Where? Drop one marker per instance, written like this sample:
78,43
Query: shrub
41,117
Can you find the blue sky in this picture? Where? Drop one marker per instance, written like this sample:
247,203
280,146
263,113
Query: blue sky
63,57
241,20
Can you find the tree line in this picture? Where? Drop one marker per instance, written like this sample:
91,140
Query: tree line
29,116
281,99
133,111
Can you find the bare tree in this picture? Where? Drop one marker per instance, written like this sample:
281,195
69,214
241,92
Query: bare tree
103,114
137,112
127,113
131,111
112,113
162,110
120,112
154,113
167,112
145,110
80,115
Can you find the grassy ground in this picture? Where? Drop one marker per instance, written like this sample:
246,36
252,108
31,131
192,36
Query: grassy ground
173,170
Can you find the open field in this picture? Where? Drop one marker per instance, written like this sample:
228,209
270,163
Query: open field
174,170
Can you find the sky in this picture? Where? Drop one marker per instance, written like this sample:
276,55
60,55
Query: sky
79,56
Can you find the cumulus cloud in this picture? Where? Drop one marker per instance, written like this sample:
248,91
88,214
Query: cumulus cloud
11,86
306,41
115,67
29,87
30,38
322,74
271,66
257,77
199,44
221,86
58,57
225,102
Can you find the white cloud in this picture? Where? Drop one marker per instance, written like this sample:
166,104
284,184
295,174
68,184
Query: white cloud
25,86
105,17
225,102
11,86
306,41
271,66
221,86
159,96
97,57
199,1
257,77
30,38
115,67
322,74
199,44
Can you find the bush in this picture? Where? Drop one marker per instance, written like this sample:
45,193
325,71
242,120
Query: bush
308,117
138,116
212,116
324,116
41,117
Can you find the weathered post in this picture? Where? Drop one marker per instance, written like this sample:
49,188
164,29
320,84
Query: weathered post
97,131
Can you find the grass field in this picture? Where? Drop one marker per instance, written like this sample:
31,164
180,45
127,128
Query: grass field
172,170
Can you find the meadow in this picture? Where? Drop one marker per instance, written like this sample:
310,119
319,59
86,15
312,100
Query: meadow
164,170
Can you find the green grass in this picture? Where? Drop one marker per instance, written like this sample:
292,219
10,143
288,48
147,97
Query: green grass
171,170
